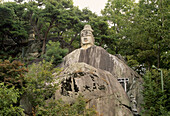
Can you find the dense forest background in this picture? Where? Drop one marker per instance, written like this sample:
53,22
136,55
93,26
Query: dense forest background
33,30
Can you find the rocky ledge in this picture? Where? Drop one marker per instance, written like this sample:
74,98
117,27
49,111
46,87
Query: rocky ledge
99,87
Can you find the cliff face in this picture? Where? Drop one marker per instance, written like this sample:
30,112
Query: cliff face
99,87
99,58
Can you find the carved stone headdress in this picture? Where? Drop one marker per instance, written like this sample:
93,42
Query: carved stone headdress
87,28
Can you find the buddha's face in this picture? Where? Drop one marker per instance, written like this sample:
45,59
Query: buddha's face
86,37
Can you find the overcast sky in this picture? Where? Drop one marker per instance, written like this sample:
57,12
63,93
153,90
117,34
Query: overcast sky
93,5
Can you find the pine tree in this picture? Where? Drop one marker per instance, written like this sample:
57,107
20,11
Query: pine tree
155,101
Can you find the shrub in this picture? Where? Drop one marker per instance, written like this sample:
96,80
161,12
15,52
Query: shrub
8,98
12,73
78,108
54,50
40,84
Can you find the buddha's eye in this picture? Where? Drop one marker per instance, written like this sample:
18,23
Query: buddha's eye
89,33
82,34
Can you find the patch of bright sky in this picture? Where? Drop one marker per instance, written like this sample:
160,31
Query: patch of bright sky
93,5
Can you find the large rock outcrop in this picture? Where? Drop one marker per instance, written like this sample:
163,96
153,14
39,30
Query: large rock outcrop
101,59
99,87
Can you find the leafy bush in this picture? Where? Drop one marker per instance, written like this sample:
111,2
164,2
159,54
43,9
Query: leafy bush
78,108
54,50
12,85
40,84
12,74
8,98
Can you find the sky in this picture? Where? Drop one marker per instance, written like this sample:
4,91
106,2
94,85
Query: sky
94,5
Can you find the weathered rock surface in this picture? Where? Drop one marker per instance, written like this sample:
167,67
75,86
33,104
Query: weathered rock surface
99,87
101,59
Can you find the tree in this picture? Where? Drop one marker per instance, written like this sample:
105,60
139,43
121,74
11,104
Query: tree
51,19
54,51
13,29
156,102
12,85
119,15
40,85
151,31
12,74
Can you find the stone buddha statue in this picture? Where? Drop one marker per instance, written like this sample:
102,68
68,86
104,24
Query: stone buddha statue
87,39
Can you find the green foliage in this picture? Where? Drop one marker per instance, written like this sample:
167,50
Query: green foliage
40,84
151,23
12,73
120,14
12,85
53,21
55,51
9,97
78,108
13,29
156,102
165,57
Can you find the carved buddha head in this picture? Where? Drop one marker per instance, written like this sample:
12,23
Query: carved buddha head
87,38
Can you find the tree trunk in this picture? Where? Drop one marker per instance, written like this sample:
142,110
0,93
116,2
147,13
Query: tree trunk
158,56
45,38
